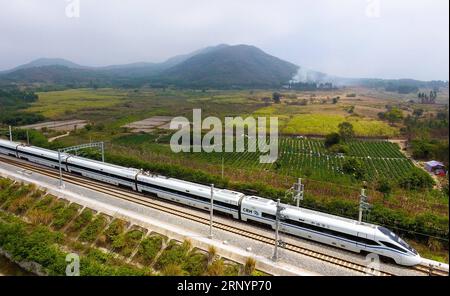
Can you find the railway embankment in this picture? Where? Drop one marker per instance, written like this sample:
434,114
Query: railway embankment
141,247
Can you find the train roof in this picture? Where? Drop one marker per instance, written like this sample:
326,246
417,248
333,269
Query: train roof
9,144
103,166
294,212
42,151
194,187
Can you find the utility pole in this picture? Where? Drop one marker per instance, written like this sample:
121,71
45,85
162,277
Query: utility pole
10,134
102,145
299,191
60,169
222,164
99,145
211,212
363,204
278,242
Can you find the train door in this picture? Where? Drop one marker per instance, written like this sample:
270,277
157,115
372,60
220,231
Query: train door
360,242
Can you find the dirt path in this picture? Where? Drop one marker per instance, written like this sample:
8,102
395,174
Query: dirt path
58,137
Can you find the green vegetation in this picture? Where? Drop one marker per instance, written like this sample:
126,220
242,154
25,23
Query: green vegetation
114,229
150,247
57,103
174,253
125,243
39,244
12,100
48,246
64,216
90,233
80,222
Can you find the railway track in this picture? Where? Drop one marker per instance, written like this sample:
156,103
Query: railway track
430,270
144,200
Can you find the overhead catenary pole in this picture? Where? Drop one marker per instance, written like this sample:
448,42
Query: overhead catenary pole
60,169
362,204
100,145
103,151
28,139
222,164
10,133
277,226
211,212
299,192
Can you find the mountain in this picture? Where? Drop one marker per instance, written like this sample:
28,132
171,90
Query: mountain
221,66
53,74
46,62
228,66
181,58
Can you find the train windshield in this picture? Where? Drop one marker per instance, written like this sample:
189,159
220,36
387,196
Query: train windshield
397,239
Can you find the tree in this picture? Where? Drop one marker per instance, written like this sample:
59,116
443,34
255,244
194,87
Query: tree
416,179
384,186
276,97
346,130
394,115
332,139
418,112
355,168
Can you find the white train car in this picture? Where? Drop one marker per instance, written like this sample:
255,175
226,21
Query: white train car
332,230
104,172
191,194
8,148
41,156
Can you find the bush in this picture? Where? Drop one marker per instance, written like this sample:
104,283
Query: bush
355,168
196,264
339,148
416,179
81,221
150,247
64,216
173,254
115,228
332,139
90,233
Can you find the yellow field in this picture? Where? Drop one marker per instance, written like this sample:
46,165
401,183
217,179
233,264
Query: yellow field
322,124
56,103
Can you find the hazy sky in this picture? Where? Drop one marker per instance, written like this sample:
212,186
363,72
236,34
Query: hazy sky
352,38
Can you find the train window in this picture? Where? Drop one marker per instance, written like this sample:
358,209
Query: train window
334,233
269,216
390,245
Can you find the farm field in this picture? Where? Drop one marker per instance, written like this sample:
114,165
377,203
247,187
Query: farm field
55,104
309,158
320,121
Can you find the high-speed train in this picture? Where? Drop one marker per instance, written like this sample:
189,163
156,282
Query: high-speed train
324,228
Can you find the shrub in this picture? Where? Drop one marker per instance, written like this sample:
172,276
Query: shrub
216,268
195,264
355,168
416,179
332,139
150,247
90,233
81,221
173,270
249,266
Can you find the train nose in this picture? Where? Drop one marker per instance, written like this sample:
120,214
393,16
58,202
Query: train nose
412,260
